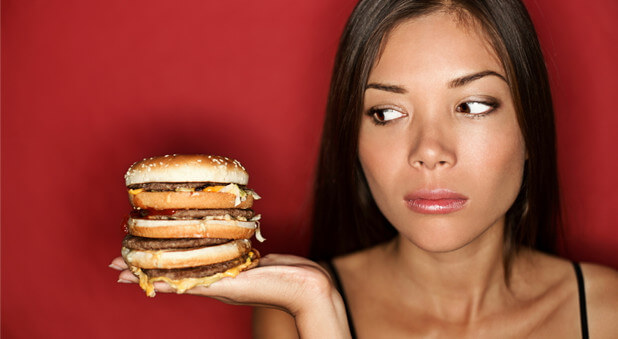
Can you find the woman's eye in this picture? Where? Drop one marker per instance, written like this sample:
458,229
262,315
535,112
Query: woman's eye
383,115
476,107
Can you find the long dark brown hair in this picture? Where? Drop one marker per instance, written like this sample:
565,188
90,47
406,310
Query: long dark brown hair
345,216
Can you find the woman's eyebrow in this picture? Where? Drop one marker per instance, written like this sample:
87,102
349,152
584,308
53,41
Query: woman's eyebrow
388,88
461,81
464,80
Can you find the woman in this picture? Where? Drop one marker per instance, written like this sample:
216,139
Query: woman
436,191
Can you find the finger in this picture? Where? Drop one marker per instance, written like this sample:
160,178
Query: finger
127,277
118,264
163,287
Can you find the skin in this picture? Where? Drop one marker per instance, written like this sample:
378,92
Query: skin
443,276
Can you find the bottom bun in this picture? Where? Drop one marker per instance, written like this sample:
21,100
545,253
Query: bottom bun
180,285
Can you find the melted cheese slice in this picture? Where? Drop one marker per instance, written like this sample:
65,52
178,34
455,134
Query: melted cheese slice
182,285
239,193
213,188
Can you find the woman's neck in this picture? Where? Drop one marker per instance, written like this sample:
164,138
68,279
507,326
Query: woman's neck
458,286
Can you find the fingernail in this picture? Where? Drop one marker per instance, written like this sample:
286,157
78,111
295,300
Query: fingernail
116,267
124,281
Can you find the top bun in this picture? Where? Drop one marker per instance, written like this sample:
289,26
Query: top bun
187,168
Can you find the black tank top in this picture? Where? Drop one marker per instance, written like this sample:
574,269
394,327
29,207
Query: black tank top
583,314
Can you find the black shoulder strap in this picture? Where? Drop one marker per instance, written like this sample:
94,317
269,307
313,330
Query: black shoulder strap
583,314
339,287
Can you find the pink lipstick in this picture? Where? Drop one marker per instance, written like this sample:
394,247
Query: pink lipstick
437,201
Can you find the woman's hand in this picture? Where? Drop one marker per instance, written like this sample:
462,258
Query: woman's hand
296,285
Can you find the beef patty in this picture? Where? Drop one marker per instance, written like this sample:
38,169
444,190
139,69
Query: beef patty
144,244
192,213
172,186
196,272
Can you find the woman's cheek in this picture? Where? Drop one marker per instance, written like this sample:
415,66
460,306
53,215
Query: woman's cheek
504,163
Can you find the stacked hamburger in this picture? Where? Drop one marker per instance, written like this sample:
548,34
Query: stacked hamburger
191,221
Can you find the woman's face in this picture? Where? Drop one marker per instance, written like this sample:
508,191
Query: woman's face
439,141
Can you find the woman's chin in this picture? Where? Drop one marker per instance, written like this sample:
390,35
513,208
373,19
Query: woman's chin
444,235
441,242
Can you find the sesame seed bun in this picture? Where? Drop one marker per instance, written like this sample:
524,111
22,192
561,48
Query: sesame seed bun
187,168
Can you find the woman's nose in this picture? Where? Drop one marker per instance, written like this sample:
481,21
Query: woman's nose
432,145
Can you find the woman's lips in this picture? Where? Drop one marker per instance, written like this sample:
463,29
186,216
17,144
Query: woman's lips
438,201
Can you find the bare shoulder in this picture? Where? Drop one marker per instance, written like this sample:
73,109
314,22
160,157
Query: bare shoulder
554,278
273,323
600,281
601,284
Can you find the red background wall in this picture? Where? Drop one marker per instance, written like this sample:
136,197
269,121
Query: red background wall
88,87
